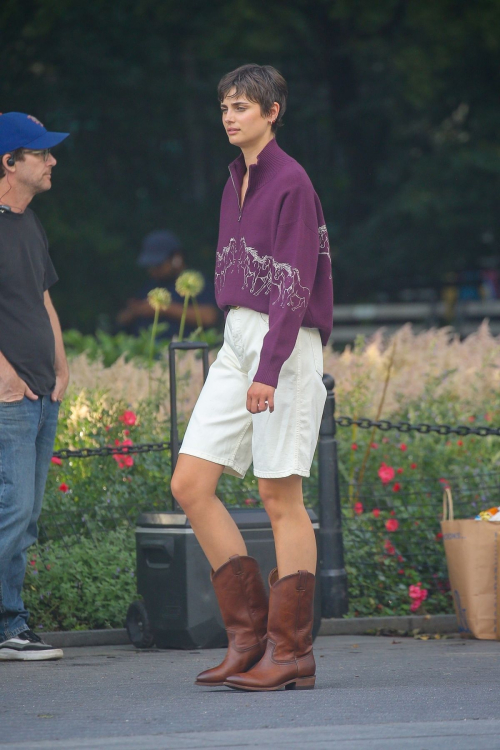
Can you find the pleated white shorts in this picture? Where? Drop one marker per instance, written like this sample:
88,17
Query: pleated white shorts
221,429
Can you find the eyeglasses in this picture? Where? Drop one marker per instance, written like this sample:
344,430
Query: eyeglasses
44,152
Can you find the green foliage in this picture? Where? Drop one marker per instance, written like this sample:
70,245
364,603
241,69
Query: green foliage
108,348
85,584
393,111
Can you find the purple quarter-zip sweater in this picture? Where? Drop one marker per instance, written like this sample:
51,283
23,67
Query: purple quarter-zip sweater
273,254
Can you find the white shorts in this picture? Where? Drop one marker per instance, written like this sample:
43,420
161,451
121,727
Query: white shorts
221,429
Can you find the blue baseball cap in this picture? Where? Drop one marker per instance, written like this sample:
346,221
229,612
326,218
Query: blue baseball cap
157,247
18,130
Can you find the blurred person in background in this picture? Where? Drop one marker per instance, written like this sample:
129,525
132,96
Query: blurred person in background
33,369
264,396
162,257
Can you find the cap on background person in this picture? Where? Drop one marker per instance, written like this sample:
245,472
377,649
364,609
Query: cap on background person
157,247
18,130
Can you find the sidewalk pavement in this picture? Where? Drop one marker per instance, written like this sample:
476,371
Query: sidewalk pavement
371,693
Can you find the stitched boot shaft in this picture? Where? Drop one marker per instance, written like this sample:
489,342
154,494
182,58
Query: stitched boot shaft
288,661
243,603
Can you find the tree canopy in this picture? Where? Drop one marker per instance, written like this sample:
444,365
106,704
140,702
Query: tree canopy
393,111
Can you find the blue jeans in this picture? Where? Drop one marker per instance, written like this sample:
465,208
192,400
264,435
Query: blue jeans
27,432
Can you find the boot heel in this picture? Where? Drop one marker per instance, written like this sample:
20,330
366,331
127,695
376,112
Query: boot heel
302,683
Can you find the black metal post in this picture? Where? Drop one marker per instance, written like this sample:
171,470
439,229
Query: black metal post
334,602
174,428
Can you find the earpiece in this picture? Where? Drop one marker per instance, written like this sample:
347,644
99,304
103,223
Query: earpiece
11,161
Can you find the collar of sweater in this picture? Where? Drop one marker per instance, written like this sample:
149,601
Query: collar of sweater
269,161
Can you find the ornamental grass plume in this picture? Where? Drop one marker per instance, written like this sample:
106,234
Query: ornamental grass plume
189,285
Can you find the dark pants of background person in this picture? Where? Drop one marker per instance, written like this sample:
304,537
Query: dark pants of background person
27,432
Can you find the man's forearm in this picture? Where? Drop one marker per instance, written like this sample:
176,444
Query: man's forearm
61,363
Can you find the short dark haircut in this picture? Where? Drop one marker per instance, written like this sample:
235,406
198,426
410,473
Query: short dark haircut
262,84
18,155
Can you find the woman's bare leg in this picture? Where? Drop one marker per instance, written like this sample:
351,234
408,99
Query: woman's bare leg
293,532
193,485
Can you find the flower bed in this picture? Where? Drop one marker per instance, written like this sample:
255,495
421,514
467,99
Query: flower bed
82,572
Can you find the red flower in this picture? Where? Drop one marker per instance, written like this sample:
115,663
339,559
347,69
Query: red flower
401,572
128,461
56,460
400,558
413,466
487,417
374,445
126,432
415,605
444,482
128,418
354,447
392,524
386,473
460,442
376,512
472,419
403,447
399,471
385,439
389,547
358,508
393,512
64,487
396,487
107,427
439,536
127,443
249,501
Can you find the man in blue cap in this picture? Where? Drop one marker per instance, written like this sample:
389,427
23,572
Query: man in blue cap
162,256
33,369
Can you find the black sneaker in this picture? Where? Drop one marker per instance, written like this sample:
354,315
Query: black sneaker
28,646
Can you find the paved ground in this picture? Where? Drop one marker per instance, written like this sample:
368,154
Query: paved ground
371,693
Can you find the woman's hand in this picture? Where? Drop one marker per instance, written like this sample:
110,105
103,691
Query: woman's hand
259,397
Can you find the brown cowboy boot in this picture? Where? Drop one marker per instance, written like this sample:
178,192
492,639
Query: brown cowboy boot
288,662
243,604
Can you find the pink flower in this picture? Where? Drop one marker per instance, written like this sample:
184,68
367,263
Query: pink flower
374,446
107,427
400,558
415,605
386,473
128,461
56,460
354,447
385,439
389,547
376,512
401,572
399,471
358,508
396,487
403,447
128,418
393,512
487,417
126,432
64,487
249,501
413,466
126,443
392,524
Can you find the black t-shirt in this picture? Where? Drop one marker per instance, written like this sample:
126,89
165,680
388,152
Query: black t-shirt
26,272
